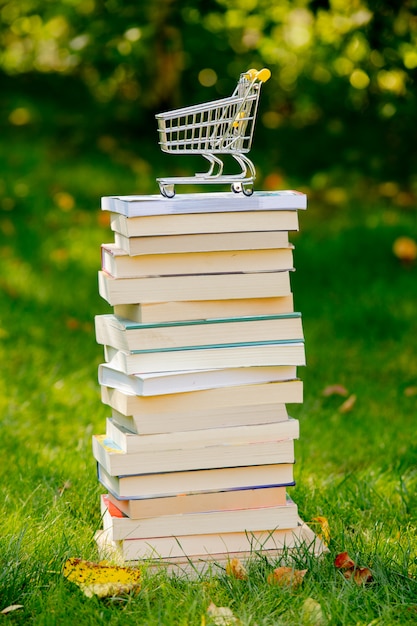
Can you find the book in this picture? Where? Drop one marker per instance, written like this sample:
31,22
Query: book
167,484
201,419
154,312
219,547
208,222
193,287
123,334
166,382
186,442
119,264
211,408
206,242
217,202
117,462
139,508
191,358
245,520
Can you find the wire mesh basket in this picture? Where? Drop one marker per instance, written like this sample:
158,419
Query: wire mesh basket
214,128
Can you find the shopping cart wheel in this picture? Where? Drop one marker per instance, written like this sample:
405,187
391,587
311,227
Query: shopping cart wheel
168,191
240,187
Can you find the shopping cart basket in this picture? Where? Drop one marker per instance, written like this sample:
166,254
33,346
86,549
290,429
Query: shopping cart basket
219,127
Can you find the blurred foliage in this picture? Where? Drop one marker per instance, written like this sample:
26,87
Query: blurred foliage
342,96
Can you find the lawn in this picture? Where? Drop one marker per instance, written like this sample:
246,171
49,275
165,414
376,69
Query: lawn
356,456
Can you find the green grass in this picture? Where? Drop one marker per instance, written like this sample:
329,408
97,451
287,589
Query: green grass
358,469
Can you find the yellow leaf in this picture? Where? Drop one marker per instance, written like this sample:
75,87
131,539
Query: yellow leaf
236,569
287,577
325,528
100,579
312,613
221,615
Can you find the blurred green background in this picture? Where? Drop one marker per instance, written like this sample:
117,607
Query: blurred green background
84,78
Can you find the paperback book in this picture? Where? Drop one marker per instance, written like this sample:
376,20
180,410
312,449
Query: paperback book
120,264
245,520
116,462
126,335
174,311
208,222
217,202
265,353
174,483
233,499
193,287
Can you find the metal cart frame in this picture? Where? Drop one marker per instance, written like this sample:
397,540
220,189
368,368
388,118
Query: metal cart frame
214,128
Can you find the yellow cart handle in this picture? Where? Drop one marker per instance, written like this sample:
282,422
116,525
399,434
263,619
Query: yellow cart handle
261,75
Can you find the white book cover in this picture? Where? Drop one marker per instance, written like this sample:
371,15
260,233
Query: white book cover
134,206
164,382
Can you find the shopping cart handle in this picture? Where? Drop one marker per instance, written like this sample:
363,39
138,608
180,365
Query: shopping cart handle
261,75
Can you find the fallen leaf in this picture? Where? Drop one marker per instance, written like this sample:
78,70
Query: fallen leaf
11,608
409,392
287,577
405,249
236,569
100,579
361,575
343,561
221,615
312,613
348,404
325,528
334,390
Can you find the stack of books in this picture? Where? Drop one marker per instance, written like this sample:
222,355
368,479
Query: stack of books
200,361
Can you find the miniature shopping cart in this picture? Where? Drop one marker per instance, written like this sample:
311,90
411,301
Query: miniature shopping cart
219,127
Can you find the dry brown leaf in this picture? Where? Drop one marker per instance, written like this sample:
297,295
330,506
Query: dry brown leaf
287,577
335,390
324,535
348,404
221,615
236,569
11,608
102,580
409,392
361,575
344,561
